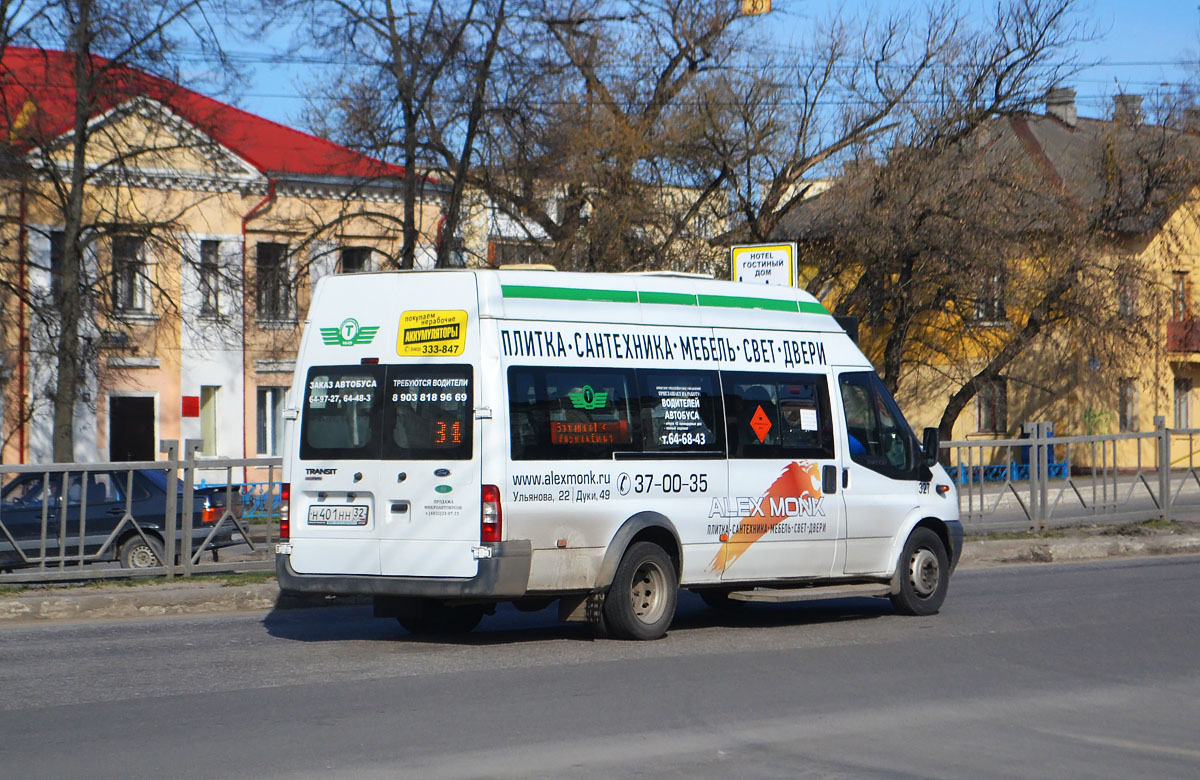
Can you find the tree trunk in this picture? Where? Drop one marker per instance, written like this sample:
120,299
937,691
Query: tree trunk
71,366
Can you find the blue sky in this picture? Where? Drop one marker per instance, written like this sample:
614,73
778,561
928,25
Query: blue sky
1143,43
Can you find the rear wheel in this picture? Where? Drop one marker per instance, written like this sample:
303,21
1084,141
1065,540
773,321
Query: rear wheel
924,574
641,602
139,553
436,620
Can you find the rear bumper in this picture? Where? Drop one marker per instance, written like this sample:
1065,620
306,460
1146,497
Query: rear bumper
504,575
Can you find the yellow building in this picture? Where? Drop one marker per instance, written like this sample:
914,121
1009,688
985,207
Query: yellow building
204,227
1127,190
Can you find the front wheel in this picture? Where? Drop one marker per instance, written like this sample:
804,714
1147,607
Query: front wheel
139,553
924,574
641,602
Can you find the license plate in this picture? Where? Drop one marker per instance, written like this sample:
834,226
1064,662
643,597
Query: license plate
349,514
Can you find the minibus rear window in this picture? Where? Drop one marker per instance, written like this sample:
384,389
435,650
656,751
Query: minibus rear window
341,412
368,412
429,412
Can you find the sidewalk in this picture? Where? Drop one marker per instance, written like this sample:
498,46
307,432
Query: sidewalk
200,597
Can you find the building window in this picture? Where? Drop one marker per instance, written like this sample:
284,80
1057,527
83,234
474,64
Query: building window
208,419
210,276
1127,285
1183,403
274,291
57,251
990,305
131,285
270,419
991,404
1180,296
1127,405
355,259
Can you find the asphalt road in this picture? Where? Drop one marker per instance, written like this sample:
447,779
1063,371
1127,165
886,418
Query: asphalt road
1075,670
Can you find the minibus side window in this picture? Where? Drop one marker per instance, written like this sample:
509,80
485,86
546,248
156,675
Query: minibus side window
778,415
429,412
680,411
341,413
877,434
571,413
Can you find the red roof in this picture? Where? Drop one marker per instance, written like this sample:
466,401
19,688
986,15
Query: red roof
37,97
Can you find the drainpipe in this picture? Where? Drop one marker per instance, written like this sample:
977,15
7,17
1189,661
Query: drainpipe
22,336
258,208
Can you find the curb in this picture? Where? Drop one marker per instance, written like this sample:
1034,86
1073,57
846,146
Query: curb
202,598
989,552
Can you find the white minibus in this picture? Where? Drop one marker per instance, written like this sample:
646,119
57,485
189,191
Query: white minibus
458,439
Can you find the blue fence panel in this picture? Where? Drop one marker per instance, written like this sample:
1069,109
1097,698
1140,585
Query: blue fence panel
1017,472
260,500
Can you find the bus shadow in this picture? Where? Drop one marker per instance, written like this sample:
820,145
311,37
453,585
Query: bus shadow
509,626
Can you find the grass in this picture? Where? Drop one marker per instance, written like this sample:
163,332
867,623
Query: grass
1049,533
1146,528
236,580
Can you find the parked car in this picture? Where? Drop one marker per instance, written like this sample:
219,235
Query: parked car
110,500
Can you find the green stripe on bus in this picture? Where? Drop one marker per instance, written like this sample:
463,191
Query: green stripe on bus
738,302
568,294
676,299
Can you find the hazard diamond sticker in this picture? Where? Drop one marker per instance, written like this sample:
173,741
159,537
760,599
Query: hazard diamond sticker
760,424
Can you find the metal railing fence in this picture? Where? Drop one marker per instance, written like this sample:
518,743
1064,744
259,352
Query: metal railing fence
85,521
1041,481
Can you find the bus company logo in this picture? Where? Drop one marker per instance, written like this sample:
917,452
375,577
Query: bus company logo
348,334
587,398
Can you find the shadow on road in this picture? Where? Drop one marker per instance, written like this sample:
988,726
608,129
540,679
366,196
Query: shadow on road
510,626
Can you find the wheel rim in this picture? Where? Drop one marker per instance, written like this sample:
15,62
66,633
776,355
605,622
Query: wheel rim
142,557
649,592
924,572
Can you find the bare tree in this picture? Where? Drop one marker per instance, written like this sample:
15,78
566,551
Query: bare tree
413,91
74,173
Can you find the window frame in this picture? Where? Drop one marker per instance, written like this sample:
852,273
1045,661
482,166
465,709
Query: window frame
209,269
880,397
273,294
130,273
268,439
739,450
537,418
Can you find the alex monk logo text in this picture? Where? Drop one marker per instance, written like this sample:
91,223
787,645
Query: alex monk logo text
348,334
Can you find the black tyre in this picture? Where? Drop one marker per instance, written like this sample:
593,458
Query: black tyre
139,553
436,620
641,602
923,573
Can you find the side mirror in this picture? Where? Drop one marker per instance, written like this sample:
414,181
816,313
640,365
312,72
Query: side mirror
930,444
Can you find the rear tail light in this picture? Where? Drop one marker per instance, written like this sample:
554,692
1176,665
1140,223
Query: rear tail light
211,514
285,500
491,522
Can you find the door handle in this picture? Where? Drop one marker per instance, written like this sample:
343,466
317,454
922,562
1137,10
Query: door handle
829,479
845,478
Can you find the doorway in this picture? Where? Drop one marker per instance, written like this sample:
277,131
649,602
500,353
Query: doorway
130,428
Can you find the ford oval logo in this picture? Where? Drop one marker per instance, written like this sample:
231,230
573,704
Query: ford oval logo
443,488
442,473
